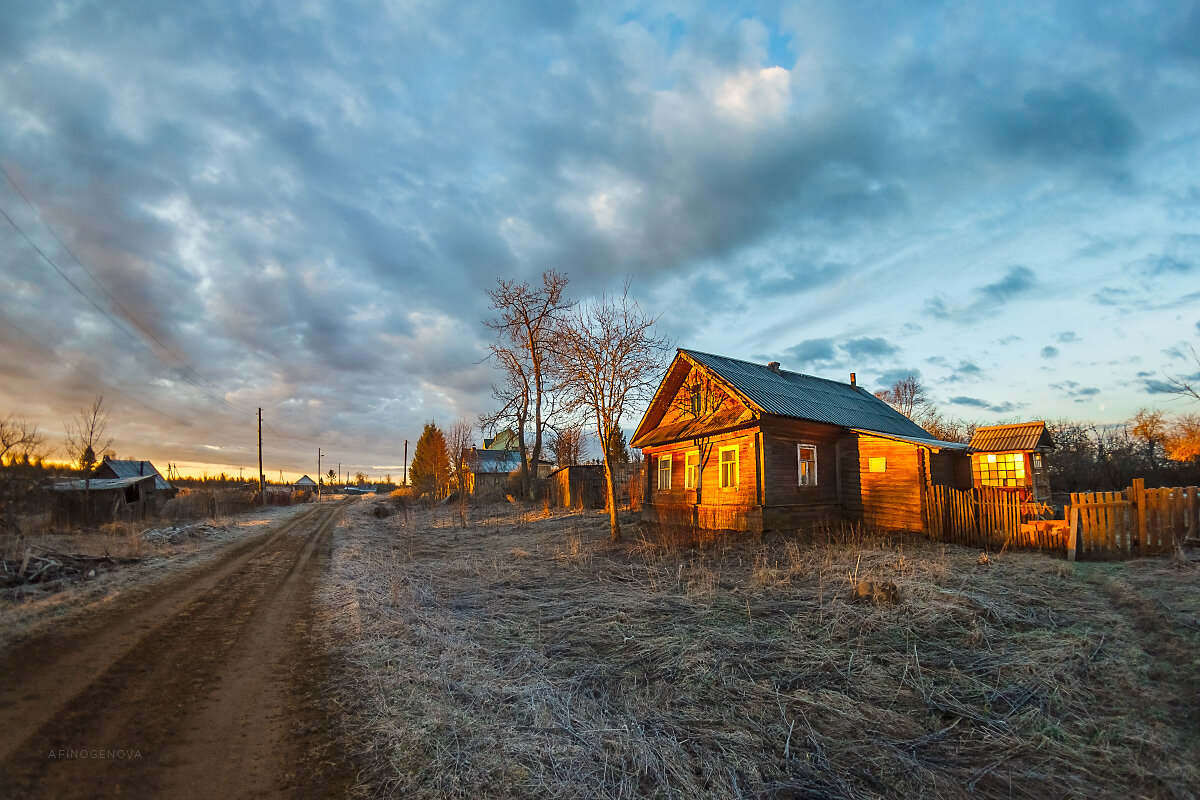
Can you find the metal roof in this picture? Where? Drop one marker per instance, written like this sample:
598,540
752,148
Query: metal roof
792,394
1007,438
305,481
98,484
492,462
123,468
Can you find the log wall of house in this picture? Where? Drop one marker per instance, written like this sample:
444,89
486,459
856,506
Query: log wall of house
708,505
890,499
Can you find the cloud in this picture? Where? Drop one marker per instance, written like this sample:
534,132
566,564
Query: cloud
1017,282
1066,337
1063,123
810,352
975,402
1049,352
1154,386
869,348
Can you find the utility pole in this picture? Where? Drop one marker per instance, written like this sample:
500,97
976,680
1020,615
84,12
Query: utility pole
262,479
339,473
318,474
406,462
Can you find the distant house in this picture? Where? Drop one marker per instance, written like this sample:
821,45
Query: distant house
506,439
487,470
731,444
306,484
126,468
1013,457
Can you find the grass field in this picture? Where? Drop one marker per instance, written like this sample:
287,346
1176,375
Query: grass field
526,656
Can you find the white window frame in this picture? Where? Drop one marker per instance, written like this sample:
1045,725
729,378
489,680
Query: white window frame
691,469
664,461
721,462
801,461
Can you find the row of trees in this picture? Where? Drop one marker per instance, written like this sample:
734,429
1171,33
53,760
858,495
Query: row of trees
1162,448
566,364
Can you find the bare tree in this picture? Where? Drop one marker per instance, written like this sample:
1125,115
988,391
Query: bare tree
907,396
525,321
19,439
459,437
567,446
609,358
87,435
1187,385
22,448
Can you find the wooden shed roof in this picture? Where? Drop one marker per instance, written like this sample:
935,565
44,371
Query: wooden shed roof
1009,438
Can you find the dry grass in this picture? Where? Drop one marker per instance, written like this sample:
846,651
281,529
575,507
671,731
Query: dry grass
532,658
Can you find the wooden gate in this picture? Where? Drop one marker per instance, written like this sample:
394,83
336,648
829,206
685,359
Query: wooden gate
1135,522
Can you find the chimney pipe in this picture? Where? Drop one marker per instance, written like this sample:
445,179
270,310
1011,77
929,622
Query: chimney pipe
853,382
773,366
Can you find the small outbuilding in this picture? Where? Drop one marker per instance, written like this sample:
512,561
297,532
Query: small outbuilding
578,486
130,468
96,501
305,484
736,445
1013,457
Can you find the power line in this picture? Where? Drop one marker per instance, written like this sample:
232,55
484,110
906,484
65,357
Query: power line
116,323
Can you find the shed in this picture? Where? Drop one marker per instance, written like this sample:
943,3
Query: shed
129,468
95,501
743,446
305,484
1012,457
578,486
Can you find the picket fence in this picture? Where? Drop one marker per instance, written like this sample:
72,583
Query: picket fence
1132,523
1096,525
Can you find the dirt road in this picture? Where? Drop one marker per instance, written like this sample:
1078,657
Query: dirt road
207,688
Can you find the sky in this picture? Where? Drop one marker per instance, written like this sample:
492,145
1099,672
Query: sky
215,207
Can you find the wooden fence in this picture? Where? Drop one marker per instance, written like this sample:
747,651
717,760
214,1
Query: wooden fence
1097,525
1132,523
988,518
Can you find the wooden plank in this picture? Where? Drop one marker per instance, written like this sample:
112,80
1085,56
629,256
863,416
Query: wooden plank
1072,531
1137,494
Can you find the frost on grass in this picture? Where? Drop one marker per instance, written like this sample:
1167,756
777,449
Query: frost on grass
527,656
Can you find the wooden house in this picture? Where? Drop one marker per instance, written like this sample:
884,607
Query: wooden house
487,469
736,445
1013,457
305,484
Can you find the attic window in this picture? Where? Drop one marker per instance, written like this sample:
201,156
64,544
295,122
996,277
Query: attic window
697,400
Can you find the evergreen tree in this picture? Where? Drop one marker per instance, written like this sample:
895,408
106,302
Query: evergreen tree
430,473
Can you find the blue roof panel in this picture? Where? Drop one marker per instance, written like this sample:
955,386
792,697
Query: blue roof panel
792,394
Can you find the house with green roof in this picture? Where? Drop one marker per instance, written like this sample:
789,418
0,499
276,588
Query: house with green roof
735,445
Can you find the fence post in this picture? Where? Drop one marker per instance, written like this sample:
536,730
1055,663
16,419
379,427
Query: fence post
1073,532
1138,496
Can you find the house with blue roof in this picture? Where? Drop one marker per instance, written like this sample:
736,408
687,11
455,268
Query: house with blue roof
735,445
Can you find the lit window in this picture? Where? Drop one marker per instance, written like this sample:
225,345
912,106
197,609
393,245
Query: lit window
806,458
1004,469
729,467
664,472
691,470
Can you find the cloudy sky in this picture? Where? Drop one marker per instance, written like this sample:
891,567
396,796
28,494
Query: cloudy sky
213,207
